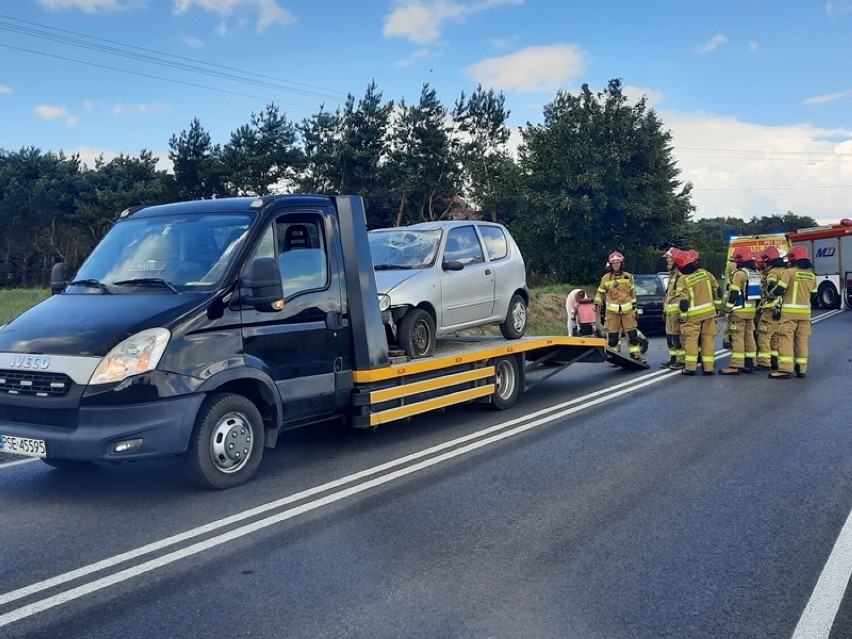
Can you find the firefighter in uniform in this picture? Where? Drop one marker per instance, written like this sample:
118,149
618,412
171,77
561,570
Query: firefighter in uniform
743,295
672,310
767,337
797,290
698,306
618,294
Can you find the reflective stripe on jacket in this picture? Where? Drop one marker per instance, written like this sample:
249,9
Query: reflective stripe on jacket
700,290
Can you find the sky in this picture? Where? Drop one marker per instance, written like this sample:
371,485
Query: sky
757,94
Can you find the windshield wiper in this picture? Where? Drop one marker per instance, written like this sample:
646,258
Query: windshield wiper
390,267
147,281
91,283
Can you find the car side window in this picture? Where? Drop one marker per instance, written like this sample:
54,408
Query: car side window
495,242
463,246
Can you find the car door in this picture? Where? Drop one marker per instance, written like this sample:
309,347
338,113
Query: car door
467,294
303,346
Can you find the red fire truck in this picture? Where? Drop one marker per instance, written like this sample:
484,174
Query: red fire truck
830,248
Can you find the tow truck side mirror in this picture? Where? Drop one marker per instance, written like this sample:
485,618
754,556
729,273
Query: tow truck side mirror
261,286
57,278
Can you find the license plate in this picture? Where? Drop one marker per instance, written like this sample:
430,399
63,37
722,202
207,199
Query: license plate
22,446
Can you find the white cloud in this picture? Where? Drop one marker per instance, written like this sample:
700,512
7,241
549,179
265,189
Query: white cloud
835,7
422,21
531,70
143,108
420,54
193,43
48,112
88,156
712,44
5,89
89,6
633,94
269,12
753,47
741,169
830,97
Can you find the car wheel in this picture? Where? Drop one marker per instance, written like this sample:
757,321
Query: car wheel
417,333
226,443
516,319
827,296
507,380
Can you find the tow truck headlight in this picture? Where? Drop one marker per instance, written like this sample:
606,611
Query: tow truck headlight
384,302
137,354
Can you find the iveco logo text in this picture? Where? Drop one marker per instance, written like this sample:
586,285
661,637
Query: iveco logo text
30,361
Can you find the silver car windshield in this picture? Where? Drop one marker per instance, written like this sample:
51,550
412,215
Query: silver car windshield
404,248
174,253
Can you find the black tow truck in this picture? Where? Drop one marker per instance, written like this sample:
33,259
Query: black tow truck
204,329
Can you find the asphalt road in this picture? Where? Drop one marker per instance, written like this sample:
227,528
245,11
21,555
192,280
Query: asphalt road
606,504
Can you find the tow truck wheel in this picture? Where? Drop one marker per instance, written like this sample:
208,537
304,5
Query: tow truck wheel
515,323
507,379
417,333
226,443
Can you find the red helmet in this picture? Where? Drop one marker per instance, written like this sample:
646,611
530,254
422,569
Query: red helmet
770,253
797,253
694,255
740,255
615,256
759,260
683,258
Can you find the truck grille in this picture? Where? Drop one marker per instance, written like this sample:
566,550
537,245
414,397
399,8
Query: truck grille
55,417
35,384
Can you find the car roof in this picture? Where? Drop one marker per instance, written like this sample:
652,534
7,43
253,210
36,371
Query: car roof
449,224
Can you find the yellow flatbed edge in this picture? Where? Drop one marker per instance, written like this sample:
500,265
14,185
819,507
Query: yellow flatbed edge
452,351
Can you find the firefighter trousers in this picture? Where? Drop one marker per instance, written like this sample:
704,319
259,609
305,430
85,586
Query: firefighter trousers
767,338
700,334
793,335
743,344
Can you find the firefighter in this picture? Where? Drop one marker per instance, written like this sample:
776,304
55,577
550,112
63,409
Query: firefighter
672,309
797,290
740,308
618,294
698,306
767,337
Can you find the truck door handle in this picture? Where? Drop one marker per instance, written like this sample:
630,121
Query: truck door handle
334,320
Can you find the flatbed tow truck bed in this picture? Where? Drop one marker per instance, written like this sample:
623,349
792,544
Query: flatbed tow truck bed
464,369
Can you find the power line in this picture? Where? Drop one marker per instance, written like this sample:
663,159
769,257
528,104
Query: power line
160,59
780,188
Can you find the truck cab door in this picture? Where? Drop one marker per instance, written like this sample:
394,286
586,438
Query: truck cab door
303,345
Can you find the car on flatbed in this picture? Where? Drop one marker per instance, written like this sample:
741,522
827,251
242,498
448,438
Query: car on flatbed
436,278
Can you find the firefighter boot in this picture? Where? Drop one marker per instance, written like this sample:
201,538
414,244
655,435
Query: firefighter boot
749,366
729,370
669,364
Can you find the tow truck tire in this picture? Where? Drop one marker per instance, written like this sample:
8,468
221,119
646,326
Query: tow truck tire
417,333
507,379
515,324
226,443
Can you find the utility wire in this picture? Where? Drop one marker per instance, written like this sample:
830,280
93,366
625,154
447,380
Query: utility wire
159,58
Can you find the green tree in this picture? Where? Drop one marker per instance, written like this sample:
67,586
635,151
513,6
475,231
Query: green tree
262,156
423,168
322,146
197,164
598,176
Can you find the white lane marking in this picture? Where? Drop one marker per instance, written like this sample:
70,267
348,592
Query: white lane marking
164,560
819,614
259,510
18,462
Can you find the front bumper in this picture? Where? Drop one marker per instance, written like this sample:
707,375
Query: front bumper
164,425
